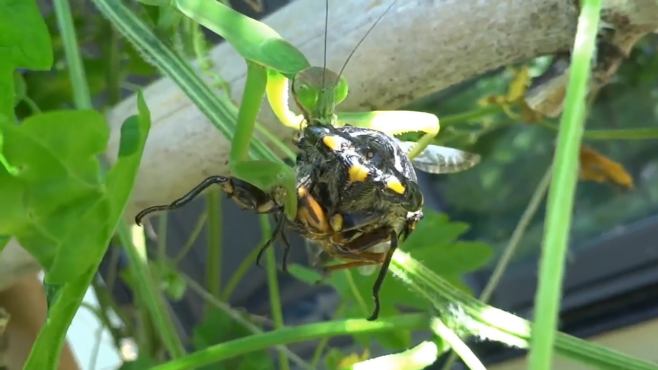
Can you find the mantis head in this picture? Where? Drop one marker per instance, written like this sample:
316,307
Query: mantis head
317,91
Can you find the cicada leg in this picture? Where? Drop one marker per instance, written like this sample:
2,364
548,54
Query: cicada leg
244,194
369,258
382,274
278,232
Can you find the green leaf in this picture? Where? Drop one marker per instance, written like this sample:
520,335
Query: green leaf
24,36
24,43
67,214
58,178
304,274
171,281
4,239
252,39
105,213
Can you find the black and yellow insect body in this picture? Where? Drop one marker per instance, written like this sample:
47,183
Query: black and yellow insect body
356,188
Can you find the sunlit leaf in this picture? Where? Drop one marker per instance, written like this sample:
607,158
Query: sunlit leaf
254,40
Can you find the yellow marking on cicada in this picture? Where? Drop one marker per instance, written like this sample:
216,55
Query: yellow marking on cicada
309,211
331,142
395,185
336,222
358,172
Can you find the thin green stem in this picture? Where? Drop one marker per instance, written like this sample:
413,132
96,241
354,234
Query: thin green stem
192,238
214,248
113,74
640,133
297,334
622,134
510,249
240,318
81,95
517,235
273,286
563,188
355,292
162,237
470,116
457,345
147,289
239,273
317,353
93,359
34,108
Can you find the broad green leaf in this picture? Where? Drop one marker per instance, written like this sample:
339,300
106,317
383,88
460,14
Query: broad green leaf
24,43
58,176
106,212
24,38
79,249
252,39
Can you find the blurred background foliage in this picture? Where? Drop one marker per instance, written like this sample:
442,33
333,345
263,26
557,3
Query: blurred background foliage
516,154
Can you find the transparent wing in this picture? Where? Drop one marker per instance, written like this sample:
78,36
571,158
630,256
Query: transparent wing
441,159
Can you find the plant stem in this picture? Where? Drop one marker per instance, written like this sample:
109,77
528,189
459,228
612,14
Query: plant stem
516,237
240,318
355,292
147,289
162,237
81,95
214,257
562,190
646,133
192,238
458,309
285,335
457,345
470,115
273,286
239,273
510,249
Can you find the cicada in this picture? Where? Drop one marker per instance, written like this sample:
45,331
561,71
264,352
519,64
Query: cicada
356,187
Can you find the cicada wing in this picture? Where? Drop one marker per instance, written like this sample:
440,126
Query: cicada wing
441,159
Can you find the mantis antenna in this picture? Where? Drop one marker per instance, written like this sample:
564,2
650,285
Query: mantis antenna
381,16
324,55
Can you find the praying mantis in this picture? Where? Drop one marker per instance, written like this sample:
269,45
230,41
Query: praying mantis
353,190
